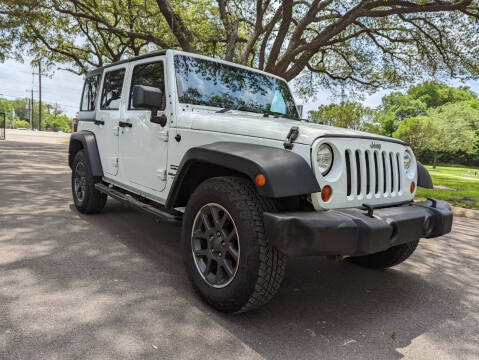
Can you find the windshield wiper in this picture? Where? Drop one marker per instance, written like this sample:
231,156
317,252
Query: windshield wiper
241,108
265,113
278,114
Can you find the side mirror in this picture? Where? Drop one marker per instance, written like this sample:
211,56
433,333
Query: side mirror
150,98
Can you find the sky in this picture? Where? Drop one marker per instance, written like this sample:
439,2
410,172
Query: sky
64,88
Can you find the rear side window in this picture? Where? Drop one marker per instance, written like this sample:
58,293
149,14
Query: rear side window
151,74
90,89
111,92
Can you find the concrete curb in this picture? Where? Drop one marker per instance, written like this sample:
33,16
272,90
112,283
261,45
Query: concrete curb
467,213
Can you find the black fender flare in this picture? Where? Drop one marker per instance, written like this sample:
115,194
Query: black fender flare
287,173
423,177
85,140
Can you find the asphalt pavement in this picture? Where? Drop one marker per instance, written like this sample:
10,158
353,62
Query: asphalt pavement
112,286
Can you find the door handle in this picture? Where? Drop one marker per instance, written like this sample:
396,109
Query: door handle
99,122
124,124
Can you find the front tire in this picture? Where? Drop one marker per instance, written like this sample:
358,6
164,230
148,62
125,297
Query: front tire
87,198
227,256
391,257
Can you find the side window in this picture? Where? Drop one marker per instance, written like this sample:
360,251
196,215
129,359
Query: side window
111,92
151,74
89,93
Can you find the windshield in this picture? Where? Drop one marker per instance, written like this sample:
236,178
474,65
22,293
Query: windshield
204,82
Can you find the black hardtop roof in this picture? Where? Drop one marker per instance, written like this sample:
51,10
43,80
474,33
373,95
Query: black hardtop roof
144,56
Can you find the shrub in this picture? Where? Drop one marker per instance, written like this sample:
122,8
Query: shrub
17,123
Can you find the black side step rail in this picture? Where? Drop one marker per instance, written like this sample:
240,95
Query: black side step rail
174,218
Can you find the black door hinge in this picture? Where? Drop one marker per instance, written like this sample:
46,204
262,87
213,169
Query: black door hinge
292,135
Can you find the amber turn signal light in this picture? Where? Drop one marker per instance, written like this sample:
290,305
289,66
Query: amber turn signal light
260,180
413,187
326,193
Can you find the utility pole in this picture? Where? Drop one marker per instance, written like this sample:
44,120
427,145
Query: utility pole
39,96
30,108
31,111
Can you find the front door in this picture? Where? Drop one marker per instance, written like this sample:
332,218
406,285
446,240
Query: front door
143,144
108,115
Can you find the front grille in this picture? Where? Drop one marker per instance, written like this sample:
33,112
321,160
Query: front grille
372,172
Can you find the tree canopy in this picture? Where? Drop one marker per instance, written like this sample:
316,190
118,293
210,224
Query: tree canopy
417,101
434,118
321,43
437,134
346,114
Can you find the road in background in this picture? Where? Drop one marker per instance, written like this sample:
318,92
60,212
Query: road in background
44,137
112,286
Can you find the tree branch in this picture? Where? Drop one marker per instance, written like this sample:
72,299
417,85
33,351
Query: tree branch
177,26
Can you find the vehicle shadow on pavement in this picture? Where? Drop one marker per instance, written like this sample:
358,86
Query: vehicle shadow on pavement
337,310
329,309
111,285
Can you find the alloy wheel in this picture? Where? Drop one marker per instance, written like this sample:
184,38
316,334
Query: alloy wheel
79,181
215,245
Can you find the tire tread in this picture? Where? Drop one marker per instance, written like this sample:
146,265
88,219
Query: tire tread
95,200
272,263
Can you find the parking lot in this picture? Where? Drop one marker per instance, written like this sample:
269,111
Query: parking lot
112,286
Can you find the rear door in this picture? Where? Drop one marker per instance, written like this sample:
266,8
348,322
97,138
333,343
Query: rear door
108,117
144,145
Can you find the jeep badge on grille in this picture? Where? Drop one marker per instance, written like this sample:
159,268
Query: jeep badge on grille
375,146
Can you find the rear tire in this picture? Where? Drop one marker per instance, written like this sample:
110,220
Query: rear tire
87,198
391,257
255,277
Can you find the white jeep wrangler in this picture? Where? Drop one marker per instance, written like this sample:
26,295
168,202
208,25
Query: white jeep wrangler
221,148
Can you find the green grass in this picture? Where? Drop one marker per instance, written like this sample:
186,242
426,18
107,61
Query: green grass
463,180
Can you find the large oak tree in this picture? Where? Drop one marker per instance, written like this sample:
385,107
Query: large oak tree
371,43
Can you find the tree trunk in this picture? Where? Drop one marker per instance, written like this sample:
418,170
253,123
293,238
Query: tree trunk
435,160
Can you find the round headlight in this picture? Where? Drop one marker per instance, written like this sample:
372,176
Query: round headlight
407,161
324,158
409,164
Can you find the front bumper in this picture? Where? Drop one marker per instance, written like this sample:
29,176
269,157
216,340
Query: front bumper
353,232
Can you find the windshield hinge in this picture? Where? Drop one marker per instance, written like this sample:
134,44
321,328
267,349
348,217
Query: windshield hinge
292,135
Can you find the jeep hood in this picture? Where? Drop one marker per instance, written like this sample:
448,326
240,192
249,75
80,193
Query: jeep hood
240,123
